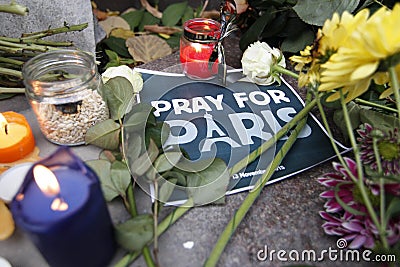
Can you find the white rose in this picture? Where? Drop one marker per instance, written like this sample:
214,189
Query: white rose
134,77
258,61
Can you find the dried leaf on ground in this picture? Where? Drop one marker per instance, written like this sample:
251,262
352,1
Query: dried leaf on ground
162,29
151,9
147,48
122,33
112,23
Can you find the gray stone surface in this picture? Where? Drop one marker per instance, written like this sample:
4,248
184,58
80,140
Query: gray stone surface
45,14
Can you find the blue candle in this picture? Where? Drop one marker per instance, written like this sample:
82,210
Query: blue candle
69,223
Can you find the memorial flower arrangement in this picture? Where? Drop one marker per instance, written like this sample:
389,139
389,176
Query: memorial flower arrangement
353,68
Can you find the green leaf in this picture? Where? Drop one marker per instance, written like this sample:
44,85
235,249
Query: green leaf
119,94
210,184
166,190
104,134
120,176
379,120
188,14
145,161
134,146
175,175
256,29
393,209
133,18
173,41
316,12
158,134
118,45
148,19
173,13
298,35
167,161
136,120
103,170
135,233
354,113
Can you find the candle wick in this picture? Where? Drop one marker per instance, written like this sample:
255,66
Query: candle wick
6,129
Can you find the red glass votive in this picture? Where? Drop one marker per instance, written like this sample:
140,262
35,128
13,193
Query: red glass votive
199,38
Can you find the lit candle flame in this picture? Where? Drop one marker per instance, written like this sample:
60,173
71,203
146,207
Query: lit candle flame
3,124
197,47
46,180
48,184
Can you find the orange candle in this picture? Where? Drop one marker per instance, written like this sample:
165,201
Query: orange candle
16,138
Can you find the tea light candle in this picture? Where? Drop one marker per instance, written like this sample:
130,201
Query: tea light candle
195,59
61,207
197,43
16,138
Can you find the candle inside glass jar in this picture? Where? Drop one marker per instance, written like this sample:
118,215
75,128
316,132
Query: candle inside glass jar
199,39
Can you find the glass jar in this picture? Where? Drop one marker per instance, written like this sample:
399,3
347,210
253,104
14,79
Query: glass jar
199,38
63,88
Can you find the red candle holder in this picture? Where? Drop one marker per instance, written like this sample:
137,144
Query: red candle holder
199,38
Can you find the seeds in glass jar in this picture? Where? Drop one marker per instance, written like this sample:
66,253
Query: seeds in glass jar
68,123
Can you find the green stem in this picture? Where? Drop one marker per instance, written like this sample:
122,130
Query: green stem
7,90
332,140
49,32
30,47
162,227
35,41
360,180
11,61
131,200
396,88
381,182
147,257
11,72
14,8
155,223
251,197
375,105
268,144
282,70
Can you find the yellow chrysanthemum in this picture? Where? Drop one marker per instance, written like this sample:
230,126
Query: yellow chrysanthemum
336,31
356,61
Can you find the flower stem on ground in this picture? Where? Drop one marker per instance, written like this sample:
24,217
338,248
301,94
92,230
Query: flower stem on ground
252,196
360,179
14,8
268,144
375,105
396,88
11,72
7,90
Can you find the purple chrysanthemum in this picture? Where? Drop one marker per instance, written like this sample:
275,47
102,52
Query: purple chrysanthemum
357,228
388,147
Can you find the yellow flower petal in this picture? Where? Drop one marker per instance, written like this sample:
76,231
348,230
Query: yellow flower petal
7,225
364,71
386,93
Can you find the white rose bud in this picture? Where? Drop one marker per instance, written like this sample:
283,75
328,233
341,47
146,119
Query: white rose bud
258,61
134,77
